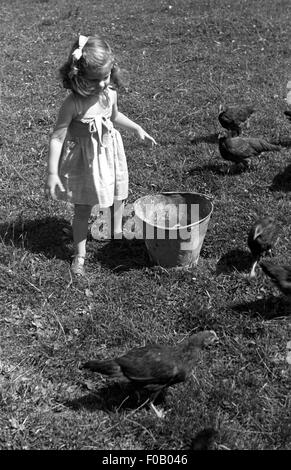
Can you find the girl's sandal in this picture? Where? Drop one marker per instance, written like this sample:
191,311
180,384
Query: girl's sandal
77,267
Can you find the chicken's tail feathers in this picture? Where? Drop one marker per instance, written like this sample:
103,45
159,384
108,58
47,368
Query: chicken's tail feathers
270,269
281,142
108,367
267,146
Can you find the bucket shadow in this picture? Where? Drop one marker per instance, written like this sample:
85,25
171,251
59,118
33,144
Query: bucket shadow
282,181
123,255
267,308
113,397
45,235
234,260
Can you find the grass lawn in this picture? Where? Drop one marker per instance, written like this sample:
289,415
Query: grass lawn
184,60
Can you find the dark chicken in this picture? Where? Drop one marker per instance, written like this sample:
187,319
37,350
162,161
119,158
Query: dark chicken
239,149
204,440
155,367
232,117
262,237
280,275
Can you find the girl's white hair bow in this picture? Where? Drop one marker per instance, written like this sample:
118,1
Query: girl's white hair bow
77,54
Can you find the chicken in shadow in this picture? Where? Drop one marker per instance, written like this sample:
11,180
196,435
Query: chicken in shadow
280,274
234,260
262,238
155,367
282,181
231,117
239,149
204,440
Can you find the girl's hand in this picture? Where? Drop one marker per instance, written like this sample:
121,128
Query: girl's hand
53,181
145,137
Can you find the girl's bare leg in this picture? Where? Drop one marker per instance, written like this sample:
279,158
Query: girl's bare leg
80,230
116,212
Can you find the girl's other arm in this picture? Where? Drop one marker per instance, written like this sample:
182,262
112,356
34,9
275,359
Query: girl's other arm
123,121
66,115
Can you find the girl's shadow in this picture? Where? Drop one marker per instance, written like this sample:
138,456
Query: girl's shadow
234,260
282,181
114,397
267,308
123,255
52,236
48,235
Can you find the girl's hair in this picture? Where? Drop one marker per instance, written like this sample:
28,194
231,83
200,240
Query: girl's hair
82,75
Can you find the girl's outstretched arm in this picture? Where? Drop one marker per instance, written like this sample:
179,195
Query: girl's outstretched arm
123,121
66,115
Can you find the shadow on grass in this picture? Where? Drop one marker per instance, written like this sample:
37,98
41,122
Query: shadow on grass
45,235
282,181
220,168
123,255
234,260
114,397
208,138
52,235
216,168
267,308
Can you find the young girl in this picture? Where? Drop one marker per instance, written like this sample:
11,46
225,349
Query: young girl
86,161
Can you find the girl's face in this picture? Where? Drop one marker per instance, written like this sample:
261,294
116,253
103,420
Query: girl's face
102,79
105,79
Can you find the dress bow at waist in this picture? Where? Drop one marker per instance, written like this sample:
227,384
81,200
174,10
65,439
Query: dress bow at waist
99,125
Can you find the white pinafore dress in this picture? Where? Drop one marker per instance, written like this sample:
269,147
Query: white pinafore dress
93,166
